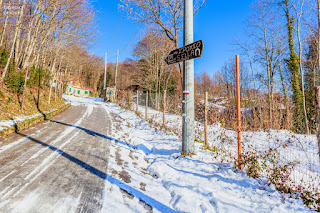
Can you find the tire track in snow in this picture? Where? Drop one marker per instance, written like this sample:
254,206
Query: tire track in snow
11,145
7,175
35,173
88,112
62,135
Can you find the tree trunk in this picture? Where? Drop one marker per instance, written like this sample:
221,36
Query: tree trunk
293,65
31,37
5,23
24,89
51,88
17,31
269,79
284,91
302,75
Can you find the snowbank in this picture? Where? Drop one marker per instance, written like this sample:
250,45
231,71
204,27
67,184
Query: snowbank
161,179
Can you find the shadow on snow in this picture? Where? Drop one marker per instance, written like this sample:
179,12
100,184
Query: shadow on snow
92,133
141,196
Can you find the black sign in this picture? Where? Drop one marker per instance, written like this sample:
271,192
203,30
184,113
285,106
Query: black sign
188,52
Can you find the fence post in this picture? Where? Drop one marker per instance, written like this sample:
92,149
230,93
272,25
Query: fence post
318,117
164,107
137,107
128,99
206,121
238,110
147,106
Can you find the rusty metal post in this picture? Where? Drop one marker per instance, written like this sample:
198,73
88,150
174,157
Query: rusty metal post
238,109
147,106
164,107
318,116
137,107
206,121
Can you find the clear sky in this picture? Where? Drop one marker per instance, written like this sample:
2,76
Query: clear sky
217,24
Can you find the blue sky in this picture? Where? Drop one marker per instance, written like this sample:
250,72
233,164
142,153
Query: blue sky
218,23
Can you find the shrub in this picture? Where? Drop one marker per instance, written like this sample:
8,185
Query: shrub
34,77
14,80
4,57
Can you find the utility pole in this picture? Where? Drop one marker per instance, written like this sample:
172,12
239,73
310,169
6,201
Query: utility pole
188,84
105,73
115,78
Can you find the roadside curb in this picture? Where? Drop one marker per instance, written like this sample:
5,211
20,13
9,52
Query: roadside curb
20,125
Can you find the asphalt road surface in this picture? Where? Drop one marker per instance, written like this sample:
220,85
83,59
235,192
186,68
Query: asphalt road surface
57,166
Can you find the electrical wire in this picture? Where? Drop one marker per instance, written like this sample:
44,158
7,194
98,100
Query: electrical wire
127,44
115,33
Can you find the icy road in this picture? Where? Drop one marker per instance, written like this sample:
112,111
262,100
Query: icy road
96,157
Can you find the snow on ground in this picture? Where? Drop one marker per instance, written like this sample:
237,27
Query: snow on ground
288,147
146,171
4,124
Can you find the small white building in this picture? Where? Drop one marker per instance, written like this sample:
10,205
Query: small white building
77,91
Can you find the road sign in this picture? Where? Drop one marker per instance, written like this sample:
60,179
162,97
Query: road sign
188,52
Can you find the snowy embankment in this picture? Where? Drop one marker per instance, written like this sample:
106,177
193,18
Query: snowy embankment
6,125
277,147
158,177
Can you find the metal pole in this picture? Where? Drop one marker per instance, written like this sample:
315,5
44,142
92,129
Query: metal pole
115,77
238,110
188,84
105,73
206,121
137,107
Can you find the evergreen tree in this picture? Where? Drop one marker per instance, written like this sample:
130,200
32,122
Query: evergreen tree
293,66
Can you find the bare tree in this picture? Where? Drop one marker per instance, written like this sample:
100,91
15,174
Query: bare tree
151,52
299,12
263,30
167,15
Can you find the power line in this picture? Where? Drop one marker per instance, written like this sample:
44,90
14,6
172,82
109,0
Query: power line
127,44
134,35
117,28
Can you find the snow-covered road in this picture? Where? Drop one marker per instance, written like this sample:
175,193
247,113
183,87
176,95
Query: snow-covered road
97,157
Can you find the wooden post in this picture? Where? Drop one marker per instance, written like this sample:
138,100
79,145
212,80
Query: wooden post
137,107
147,105
238,110
318,117
206,121
164,107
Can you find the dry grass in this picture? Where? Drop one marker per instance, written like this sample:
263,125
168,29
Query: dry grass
10,103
